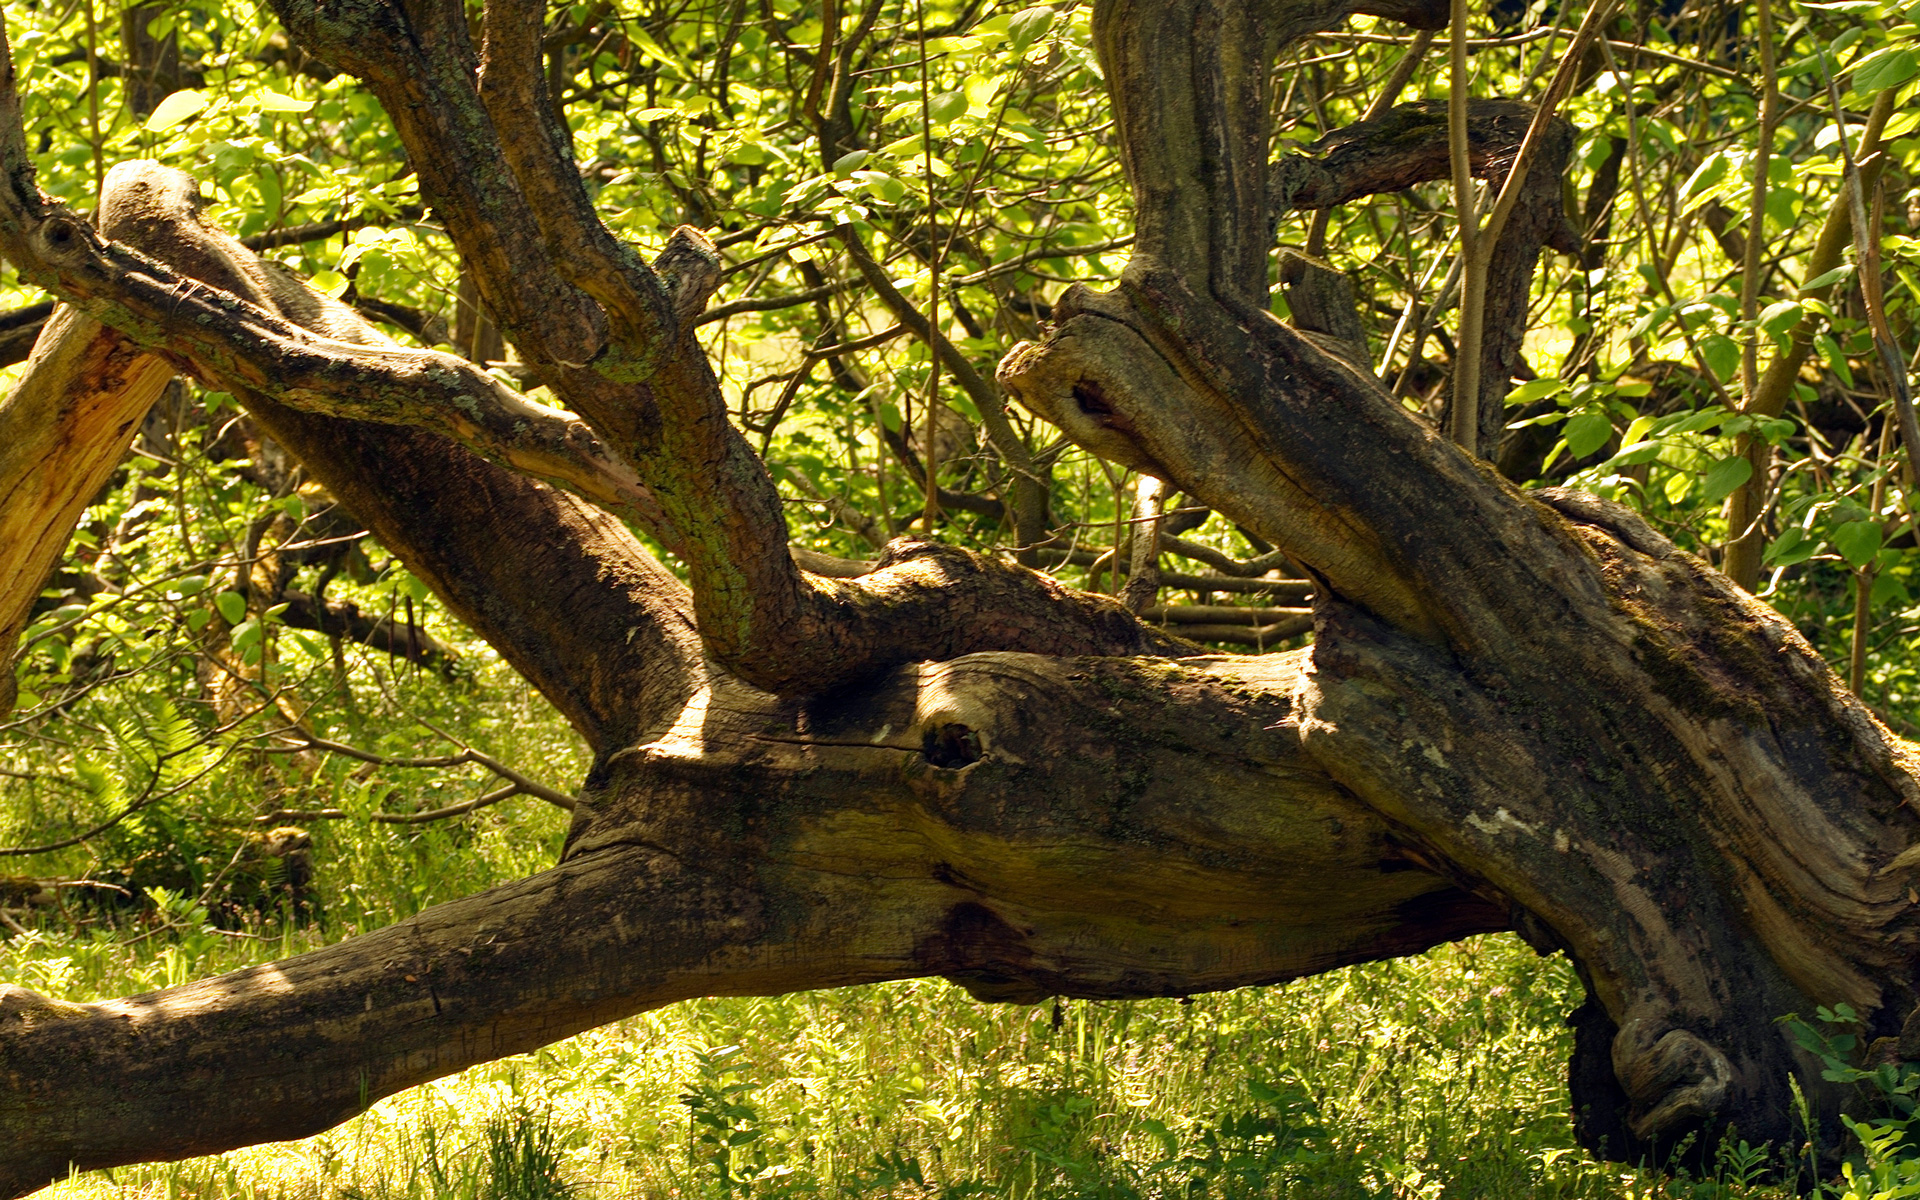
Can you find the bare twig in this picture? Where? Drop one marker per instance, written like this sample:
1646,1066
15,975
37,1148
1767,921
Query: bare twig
1866,248
468,754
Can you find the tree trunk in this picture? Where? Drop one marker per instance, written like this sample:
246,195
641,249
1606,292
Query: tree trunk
1521,710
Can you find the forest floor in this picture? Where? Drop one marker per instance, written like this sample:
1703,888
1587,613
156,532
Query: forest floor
1437,1076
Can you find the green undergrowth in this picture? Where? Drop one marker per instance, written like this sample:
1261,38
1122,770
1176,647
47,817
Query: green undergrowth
1436,1076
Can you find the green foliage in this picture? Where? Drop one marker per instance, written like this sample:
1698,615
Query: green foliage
1437,1076
1884,1162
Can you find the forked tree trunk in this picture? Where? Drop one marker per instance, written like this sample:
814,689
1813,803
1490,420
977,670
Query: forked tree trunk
1520,711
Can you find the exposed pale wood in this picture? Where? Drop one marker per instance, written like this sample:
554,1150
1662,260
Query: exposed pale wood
63,430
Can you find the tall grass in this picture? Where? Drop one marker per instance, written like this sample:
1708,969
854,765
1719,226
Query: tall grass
1437,1076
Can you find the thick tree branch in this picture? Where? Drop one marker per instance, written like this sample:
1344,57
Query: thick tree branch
581,610
646,314
1407,146
653,395
433,101
63,430
757,613
236,340
1196,129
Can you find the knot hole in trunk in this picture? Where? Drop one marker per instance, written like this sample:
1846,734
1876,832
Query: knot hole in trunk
951,746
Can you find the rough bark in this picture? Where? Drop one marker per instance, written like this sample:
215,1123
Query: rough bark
1520,710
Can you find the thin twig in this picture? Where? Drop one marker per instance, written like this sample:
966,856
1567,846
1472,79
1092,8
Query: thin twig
1866,249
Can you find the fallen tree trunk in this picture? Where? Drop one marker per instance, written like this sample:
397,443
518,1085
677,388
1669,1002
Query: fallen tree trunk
1028,826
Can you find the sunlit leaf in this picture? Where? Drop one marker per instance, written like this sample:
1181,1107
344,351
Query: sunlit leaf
1587,432
1534,389
1886,67
1028,26
271,101
175,109
1828,278
1722,354
1708,173
946,106
1779,319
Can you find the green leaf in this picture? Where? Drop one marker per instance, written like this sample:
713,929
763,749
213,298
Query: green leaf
1889,66
1028,26
1900,126
1887,586
1792,546
848,163
232,606
272,101
1857,542
1726,475
175,109
1722,354
247,633
1588,432
1534,389
946,106
1779,319
331,282
1632,454
1648,320
1827,278
1708,173
1836,361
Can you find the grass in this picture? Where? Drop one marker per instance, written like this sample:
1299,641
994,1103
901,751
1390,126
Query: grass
1437,1076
